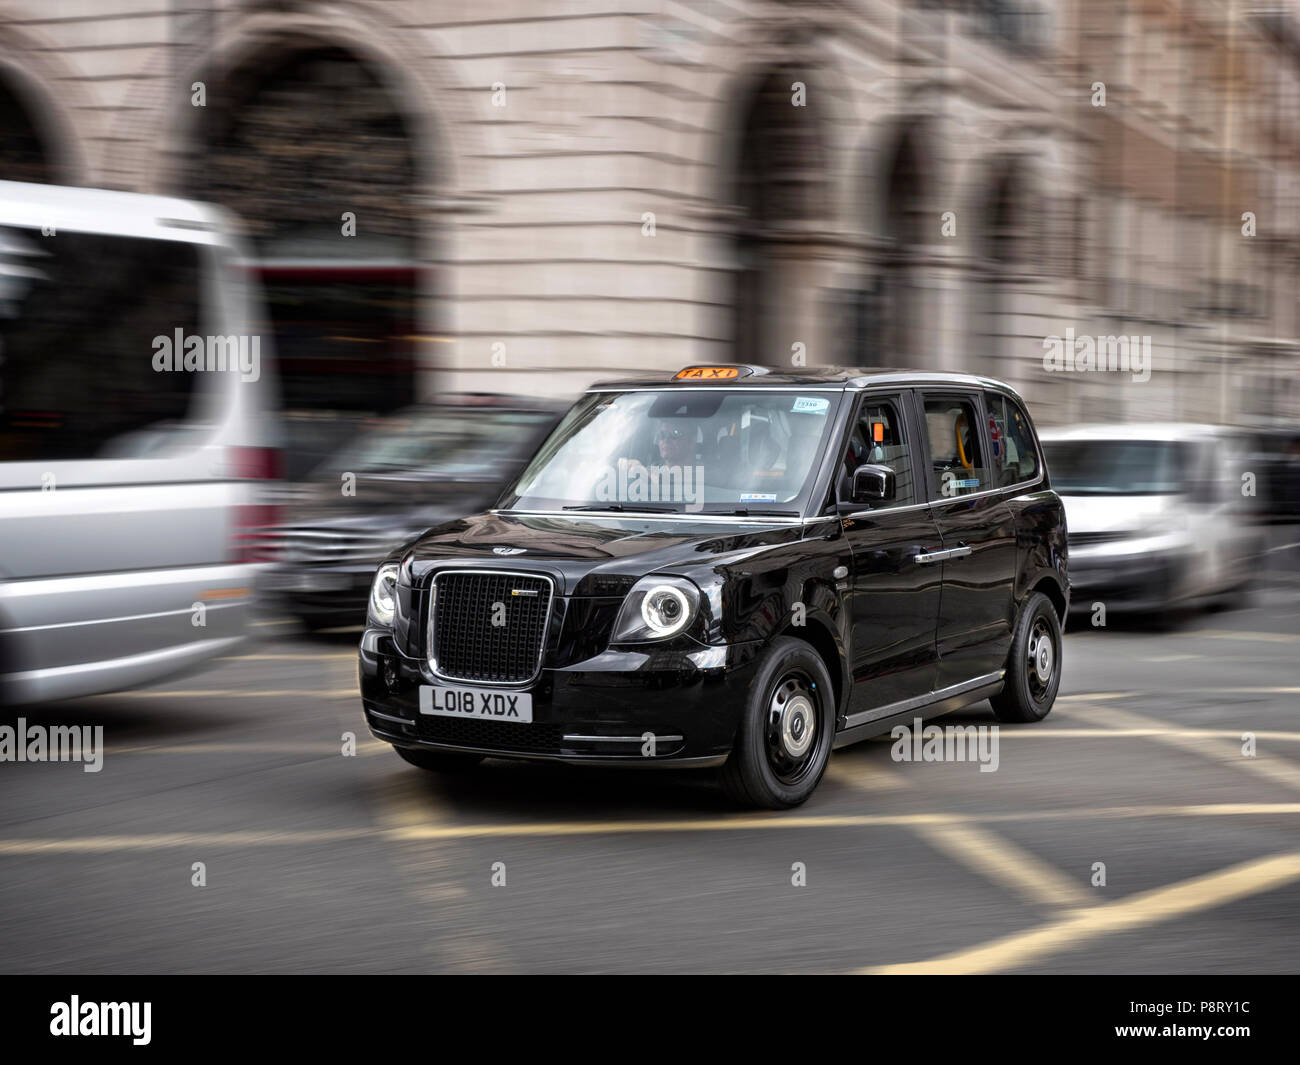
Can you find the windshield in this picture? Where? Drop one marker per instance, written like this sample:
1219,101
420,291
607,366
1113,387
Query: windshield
1115,467
682,450
454,442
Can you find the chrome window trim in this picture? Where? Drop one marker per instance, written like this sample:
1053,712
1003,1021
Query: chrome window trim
1017,488
463,682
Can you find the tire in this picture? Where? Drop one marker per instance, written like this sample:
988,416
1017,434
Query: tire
439,761
778,759
1026,694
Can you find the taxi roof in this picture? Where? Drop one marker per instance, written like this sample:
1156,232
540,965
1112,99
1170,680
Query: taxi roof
833,377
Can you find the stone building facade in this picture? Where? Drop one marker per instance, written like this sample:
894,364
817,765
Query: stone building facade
542,194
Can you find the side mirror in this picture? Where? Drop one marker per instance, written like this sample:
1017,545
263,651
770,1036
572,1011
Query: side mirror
873,484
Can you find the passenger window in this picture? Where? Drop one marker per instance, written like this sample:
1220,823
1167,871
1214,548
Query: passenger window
957,466
878,437
1015,458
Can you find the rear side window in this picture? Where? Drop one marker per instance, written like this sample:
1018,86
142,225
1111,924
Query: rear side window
957,463
78,316
1014,457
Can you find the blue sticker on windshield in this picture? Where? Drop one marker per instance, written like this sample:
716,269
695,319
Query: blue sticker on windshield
810,405
758,497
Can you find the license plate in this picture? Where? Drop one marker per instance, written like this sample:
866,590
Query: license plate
446,701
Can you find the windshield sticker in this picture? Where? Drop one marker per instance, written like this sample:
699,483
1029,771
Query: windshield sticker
810,405
758,497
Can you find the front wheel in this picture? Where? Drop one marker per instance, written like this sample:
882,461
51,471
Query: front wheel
439,761
785,735
1034,665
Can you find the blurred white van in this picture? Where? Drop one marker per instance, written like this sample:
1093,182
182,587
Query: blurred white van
134,439
1156,513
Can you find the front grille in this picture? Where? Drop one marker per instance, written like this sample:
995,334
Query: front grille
491,735
488,627
329,545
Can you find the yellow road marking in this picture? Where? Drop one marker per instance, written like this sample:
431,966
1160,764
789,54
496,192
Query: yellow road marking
1268,766
305,656
1095,696
1005,863
1233,634
1038,732
323,748
1149,907
741,822
408,807
231,693
1098,696
863,775
165,840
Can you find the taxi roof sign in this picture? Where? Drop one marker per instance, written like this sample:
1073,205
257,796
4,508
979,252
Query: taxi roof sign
713,373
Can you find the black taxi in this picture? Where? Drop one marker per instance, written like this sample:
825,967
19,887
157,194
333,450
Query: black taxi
732,567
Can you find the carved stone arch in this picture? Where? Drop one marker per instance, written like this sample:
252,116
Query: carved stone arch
30,68
768,184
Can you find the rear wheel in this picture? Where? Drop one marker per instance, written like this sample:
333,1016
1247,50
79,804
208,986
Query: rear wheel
439,761
1034,664
785,735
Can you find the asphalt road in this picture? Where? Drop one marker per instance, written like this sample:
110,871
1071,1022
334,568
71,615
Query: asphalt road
320,862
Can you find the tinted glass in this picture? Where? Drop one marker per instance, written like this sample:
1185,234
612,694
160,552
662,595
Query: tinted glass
683,450
879,437
1116,467
452,441
957,465
78,316
1012,440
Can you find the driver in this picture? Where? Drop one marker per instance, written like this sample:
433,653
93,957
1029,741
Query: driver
675,440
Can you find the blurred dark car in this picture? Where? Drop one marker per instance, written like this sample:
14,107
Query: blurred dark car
1274,456
311,437
420,467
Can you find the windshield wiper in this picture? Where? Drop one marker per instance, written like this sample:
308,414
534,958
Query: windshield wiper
750,512
620,507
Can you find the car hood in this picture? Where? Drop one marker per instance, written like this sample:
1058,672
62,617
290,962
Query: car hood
577,546
1117,513
388,500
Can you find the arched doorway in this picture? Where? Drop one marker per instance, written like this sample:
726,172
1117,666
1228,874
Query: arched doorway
781,199
894,326
25,154
1004,254
308,145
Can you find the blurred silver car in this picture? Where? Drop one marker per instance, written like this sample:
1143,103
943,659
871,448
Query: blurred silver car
1156,513
132,438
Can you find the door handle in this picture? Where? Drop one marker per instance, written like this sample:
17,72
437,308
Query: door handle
939,556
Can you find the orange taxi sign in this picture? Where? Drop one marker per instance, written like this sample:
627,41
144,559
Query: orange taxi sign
707,373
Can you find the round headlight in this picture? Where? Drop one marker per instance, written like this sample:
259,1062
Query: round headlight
383,594
665,610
